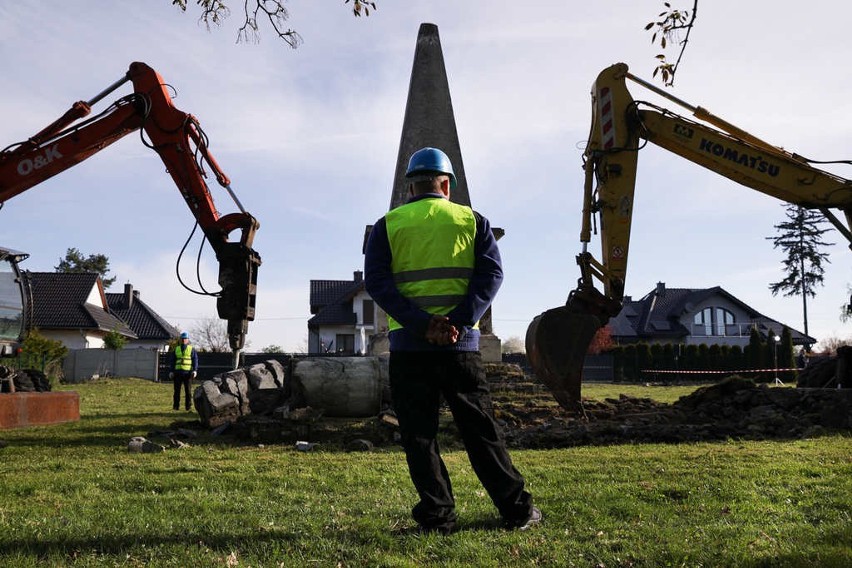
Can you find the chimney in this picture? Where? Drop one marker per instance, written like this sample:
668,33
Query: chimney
128,295
359,276
661,288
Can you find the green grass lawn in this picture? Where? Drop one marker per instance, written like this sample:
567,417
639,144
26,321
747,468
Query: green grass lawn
72,495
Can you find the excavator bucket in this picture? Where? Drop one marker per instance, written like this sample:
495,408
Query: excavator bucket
557,342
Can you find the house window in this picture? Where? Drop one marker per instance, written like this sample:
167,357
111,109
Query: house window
724,318
704,320
345,343
368,310
713,321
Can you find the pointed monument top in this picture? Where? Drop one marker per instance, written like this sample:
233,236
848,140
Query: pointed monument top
429,119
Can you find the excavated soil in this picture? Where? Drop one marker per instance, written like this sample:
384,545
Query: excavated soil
736,408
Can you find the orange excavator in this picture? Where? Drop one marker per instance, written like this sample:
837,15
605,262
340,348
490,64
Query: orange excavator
557,340
180,142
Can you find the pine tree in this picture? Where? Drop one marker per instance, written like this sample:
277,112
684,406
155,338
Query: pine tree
75,262
800,236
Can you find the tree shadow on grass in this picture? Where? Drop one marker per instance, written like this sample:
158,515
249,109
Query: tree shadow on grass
99,431
224,543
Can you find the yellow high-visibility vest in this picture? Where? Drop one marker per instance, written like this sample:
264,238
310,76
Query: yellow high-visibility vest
183,358
431,242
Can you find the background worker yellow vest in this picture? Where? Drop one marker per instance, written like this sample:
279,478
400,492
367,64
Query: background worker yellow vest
183,358
431,243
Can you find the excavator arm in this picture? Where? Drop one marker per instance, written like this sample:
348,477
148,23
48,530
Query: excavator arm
180,142
557,340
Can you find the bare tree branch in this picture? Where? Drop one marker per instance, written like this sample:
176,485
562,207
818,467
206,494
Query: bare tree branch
668,29
275,13
214,12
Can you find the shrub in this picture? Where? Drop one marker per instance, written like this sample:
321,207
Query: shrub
39,352
114,341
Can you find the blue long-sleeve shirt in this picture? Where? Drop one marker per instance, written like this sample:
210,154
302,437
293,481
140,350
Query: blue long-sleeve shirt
482,289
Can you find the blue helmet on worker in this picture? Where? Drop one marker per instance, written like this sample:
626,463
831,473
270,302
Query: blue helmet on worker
429,160
184,335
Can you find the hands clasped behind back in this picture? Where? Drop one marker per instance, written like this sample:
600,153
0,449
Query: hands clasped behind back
440,331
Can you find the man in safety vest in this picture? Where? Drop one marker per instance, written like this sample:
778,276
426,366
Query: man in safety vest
184,368
435,268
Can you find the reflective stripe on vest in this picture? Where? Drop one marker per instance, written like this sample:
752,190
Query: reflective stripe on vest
183,358
431,242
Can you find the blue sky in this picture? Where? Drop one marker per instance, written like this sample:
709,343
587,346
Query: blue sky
309,138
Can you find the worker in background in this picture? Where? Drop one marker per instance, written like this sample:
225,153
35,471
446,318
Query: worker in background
184,368
434,267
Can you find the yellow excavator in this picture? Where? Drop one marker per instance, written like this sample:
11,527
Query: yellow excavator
558,339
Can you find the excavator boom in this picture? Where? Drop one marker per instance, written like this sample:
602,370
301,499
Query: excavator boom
558,339
180,142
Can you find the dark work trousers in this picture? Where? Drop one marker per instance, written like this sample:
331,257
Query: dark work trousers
182,379
418,380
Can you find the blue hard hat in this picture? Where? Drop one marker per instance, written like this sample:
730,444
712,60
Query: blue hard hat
430,160
184,335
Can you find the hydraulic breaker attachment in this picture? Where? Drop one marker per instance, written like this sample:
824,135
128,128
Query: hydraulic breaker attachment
236,303
557,342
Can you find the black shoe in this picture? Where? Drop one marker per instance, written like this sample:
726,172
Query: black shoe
525,524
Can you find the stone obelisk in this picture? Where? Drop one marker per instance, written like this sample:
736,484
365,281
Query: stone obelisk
429,121
429,118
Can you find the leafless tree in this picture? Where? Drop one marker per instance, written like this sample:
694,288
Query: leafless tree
513,344
829,345
210,334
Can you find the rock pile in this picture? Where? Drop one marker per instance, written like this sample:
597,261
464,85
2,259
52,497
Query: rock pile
352,387
257,389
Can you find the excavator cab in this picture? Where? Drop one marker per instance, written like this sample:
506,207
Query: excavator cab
13,301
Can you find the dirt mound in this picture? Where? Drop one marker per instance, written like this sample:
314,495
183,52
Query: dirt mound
736,408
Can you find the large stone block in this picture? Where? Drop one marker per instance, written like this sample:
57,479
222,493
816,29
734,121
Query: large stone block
261,377
341,386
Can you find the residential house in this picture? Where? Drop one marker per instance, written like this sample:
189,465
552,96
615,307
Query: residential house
152,331
693,316
72,308
344,316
